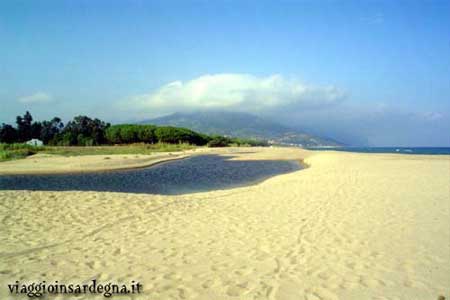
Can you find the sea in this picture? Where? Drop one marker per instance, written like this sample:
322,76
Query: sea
401,150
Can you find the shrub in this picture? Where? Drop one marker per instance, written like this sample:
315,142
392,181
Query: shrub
219,141
130,133
146,134
175,135
11,151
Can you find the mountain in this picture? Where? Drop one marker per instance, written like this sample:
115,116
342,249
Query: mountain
237,124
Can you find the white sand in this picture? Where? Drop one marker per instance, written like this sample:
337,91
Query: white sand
352,226
51,164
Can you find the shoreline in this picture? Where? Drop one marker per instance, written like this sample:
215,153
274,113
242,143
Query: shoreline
196,173
126,162
49,164
59,165
385,150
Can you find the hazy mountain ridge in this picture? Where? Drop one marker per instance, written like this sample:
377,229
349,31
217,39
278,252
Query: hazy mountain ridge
238,124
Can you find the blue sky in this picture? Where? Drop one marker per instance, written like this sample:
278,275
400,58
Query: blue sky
373,72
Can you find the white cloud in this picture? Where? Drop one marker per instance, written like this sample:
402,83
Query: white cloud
235,91
432,116
39,97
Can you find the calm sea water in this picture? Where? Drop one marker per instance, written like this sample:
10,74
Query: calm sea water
195,174
402,150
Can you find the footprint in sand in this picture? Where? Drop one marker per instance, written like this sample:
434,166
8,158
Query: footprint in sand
237,290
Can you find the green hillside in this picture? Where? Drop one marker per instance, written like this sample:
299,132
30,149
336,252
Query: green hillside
236,124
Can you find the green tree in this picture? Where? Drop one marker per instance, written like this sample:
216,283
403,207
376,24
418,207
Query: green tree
83,130
8,134
35,129
219,141
146,134
24,127
112,134
50,129
174,135
129,134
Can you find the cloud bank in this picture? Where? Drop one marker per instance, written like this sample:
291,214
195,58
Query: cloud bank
39,97
321,110
241,92
374,124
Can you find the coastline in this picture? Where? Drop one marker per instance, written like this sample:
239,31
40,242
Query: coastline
56,164
386,150
351,226
46,164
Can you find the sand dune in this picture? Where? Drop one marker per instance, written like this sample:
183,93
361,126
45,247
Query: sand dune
352,226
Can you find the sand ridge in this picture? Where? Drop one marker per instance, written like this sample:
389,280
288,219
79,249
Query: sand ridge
352,226
57,164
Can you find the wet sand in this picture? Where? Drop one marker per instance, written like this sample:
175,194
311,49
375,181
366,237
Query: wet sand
351,226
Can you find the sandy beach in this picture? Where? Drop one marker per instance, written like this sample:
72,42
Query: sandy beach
56,164
350,226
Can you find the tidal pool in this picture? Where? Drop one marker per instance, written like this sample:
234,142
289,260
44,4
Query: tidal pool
194,174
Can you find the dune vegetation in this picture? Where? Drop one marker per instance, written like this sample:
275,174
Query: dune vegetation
16,151
87,136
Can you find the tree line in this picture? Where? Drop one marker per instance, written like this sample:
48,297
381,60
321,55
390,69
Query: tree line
84,131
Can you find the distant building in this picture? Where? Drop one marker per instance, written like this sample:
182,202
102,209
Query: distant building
35,142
